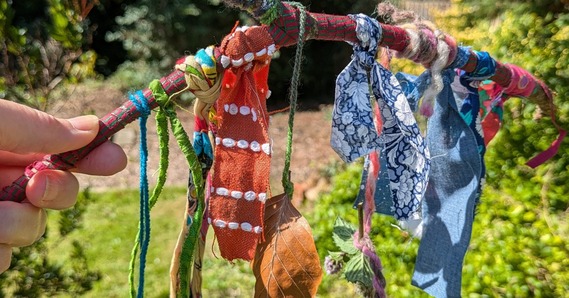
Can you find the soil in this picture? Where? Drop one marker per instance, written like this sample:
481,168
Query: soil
311,149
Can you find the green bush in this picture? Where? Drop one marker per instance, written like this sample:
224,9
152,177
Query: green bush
518,248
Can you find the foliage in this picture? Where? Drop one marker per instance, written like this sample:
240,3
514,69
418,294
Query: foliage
33,272
41,46
519,247
157,32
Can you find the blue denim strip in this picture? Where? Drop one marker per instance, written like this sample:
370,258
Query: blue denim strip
448,206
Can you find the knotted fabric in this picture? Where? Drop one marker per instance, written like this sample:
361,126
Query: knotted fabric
242,162
353,132
450,199
405,150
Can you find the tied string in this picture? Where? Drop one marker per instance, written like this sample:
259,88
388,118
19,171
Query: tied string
163,138
364,244
293,96
196,172
165,114
143,235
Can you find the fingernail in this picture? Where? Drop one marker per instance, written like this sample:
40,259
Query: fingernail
48,194
85,123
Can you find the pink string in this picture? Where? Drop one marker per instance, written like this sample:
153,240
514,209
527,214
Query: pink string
365,245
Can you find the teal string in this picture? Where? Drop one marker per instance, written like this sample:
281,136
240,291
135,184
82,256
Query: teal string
293,96
187,149
141,105
163,137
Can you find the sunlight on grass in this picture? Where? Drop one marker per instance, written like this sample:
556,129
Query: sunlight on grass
108,232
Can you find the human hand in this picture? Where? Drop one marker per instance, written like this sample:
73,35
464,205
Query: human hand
27,135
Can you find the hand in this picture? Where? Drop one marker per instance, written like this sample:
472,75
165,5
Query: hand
26,135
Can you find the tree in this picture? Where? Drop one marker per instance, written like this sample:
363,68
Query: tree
42,45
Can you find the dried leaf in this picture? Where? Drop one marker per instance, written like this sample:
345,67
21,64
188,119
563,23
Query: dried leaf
286,264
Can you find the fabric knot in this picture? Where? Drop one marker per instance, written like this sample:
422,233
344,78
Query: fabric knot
140,103
369,33
485,67
353,131
462,55
201,76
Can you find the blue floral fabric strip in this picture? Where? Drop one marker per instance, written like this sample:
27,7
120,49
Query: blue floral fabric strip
405,149
353,131
449,203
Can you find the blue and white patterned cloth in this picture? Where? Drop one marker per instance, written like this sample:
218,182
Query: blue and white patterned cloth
353,132
406,153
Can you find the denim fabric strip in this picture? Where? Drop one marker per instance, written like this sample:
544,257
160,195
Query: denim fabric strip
470,113
448,207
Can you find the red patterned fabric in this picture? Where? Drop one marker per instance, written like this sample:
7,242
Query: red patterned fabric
240,180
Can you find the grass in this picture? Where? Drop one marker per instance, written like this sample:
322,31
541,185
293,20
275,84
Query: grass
109,227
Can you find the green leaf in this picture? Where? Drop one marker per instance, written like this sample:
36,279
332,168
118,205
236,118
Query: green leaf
337,255
343,236
358,270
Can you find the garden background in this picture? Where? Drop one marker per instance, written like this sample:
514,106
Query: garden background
72,57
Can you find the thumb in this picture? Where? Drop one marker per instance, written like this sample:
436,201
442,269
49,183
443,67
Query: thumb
26,130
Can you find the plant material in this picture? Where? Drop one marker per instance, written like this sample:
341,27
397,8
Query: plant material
286,264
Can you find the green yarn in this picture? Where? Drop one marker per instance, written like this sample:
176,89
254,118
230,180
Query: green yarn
293,96
272,13
189,246
165,114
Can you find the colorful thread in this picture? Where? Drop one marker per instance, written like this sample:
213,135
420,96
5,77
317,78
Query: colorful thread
141,105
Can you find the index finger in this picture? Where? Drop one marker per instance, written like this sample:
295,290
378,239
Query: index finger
26,130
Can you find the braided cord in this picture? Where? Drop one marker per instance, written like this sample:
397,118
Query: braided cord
293,96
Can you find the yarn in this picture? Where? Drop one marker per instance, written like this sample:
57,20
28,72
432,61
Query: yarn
293,95
195,167
141,105
427,46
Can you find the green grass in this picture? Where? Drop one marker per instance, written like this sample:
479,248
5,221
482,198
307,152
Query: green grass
109,227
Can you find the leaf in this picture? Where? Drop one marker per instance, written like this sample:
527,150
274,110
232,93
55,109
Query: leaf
343,236
286,264
358,270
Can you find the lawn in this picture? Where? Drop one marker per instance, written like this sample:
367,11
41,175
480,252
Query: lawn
109,227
